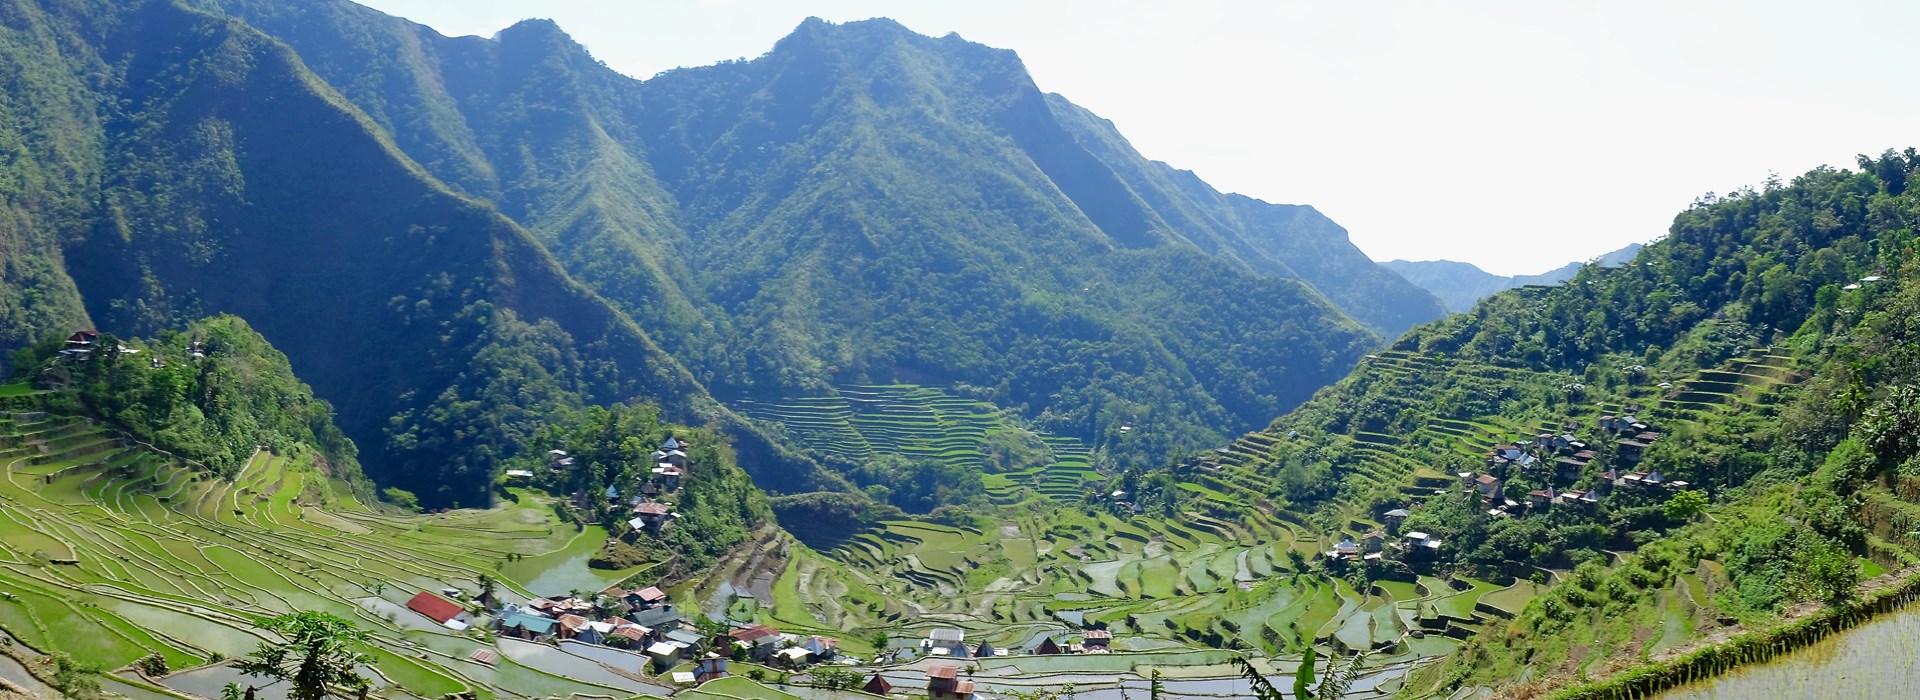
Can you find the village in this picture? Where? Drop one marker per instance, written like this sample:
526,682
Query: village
643,633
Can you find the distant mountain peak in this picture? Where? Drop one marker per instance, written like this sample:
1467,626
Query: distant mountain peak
1460,285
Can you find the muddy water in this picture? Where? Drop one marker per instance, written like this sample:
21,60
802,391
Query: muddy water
1880,659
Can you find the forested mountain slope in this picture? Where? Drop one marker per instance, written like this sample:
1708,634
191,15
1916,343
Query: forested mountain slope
1766,346
225,177
866,204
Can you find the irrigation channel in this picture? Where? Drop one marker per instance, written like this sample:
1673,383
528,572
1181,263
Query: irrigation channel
1880,659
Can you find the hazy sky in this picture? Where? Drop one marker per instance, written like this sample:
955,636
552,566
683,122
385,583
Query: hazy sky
1514,135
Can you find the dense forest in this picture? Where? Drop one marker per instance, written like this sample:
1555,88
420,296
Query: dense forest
211,393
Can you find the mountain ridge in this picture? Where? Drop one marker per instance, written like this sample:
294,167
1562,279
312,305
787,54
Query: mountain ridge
1460,285
739,211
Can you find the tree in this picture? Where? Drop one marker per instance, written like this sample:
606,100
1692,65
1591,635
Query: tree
487,585
879,641
319,653
232,691
152,665
1686,504
836,678
74,679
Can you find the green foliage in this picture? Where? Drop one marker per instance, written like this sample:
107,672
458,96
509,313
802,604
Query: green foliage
215,409
153,665
1685,505
320,652
837,678
613,445
75,680
1303,676
401,498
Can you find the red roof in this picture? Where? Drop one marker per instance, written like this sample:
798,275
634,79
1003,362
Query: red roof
943,671
1097,634
439,609
651,509
651,593
573,622
963,688
748,634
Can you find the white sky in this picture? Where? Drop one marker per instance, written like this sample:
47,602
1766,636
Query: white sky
1514,135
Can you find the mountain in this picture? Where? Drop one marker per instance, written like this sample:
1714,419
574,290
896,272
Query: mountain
865,204
177,164
1460,285
1758,359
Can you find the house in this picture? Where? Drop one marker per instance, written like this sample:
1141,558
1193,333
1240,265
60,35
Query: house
1395,517
519,474
1422,543
645,598
663,616
711,666
943,638
1097,638
528,626
651,516
628,635
1373,540
196,350
1346,549
1540,498
80,344
791,657
820,648
1046,647
943,683
877,685
1511,453
1489,486
668,474
984,651
446,612
690,638
1631,450
672,444
758,640
571,626
665,654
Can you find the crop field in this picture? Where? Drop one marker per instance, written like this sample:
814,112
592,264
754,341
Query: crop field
859,422
110,552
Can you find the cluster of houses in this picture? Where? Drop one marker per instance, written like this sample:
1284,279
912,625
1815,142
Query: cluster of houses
952,643
646,509
649,513
1569,457
81,344
631,619
943,679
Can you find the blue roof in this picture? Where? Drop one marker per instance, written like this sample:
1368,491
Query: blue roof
531,623
670,444
613,492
